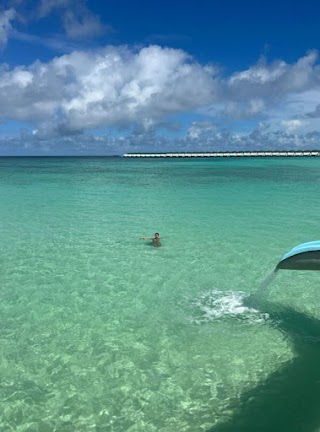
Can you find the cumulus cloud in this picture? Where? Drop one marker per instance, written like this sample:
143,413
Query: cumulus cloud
6,18
277,78
261,138
292,125
110,87
201,130
294,109
142,89
262,87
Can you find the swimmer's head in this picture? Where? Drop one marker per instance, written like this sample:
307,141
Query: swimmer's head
156,235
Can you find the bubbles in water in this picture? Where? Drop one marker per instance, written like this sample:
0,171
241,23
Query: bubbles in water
216,305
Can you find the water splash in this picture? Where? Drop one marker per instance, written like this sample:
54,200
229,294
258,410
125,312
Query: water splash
216,305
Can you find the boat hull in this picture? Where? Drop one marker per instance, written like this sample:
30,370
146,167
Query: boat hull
302,261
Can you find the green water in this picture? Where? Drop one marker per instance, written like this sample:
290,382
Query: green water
100,331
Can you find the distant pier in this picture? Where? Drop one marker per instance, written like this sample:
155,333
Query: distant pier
225,154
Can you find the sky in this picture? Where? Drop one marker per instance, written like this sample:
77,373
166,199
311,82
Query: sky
108,77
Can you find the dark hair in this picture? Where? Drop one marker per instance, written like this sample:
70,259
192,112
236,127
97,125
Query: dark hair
157,233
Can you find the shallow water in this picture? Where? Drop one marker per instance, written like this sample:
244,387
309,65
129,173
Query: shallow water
100,331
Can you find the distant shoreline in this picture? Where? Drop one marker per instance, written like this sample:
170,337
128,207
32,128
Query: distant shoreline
305,153
176,155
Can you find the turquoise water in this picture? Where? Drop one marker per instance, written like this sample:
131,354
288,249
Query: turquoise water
100,331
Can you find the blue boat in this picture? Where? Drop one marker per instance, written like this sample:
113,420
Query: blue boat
305,256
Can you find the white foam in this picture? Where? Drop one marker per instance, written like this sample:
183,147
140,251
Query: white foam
215,305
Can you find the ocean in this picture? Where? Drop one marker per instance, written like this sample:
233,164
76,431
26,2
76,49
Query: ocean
100,331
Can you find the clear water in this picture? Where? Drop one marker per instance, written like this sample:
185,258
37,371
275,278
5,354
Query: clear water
100,331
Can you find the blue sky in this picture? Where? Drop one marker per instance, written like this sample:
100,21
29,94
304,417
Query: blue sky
94,77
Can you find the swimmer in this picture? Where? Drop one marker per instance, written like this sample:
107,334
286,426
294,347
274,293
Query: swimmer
155,240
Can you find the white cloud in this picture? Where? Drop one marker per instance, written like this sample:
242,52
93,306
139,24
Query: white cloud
110,87
277,78
293,125
201,130
259,74
298,109
262,87
261,138
6,18
128,88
